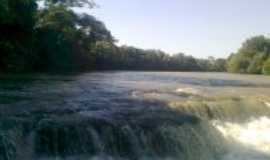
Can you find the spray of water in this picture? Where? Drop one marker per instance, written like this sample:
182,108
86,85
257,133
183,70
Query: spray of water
267,104
248,141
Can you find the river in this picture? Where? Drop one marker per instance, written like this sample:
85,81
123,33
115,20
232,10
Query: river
135,116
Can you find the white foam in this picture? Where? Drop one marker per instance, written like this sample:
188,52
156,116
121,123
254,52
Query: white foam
267,104
186,90
254,135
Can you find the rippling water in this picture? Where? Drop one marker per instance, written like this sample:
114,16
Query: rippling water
135,115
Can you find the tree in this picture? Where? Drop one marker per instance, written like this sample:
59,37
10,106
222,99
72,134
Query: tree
255,45
266,67
238,64
251,56
71,3
76,37
17,20
55,38
256,64
56,31
219,65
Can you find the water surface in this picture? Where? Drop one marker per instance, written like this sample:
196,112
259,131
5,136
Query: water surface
135,115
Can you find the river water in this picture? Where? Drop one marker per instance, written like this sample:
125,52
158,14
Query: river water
135,116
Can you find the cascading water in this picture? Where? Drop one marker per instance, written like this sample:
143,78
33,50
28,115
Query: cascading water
253,136
135,116
159,134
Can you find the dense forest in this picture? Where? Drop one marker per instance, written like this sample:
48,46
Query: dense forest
49,36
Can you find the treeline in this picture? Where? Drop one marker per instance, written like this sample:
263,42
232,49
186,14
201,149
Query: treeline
48,36
131,58
253,57
52,37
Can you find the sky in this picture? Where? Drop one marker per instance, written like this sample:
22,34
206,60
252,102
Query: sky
200,28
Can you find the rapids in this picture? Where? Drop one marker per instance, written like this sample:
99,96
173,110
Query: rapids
253,135
135,116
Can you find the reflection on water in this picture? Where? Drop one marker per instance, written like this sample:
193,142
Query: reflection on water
135,115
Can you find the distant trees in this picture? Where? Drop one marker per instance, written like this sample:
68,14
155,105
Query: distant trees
219,65
55,38
130,58
212,65
251,57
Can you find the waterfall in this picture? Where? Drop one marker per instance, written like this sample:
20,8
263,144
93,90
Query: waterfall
247,141
107,116
157,134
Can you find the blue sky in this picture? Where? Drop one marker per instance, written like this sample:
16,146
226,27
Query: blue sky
200,28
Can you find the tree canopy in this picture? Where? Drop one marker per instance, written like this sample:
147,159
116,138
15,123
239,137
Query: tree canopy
53,37
56,38
17,21
266,67
251,57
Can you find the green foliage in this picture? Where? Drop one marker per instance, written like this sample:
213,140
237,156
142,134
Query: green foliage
213,65
266,67
130,58
76,37
56,31
219,65
238,63
251,56
255,45
256,64
71,3
55,38
17,19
